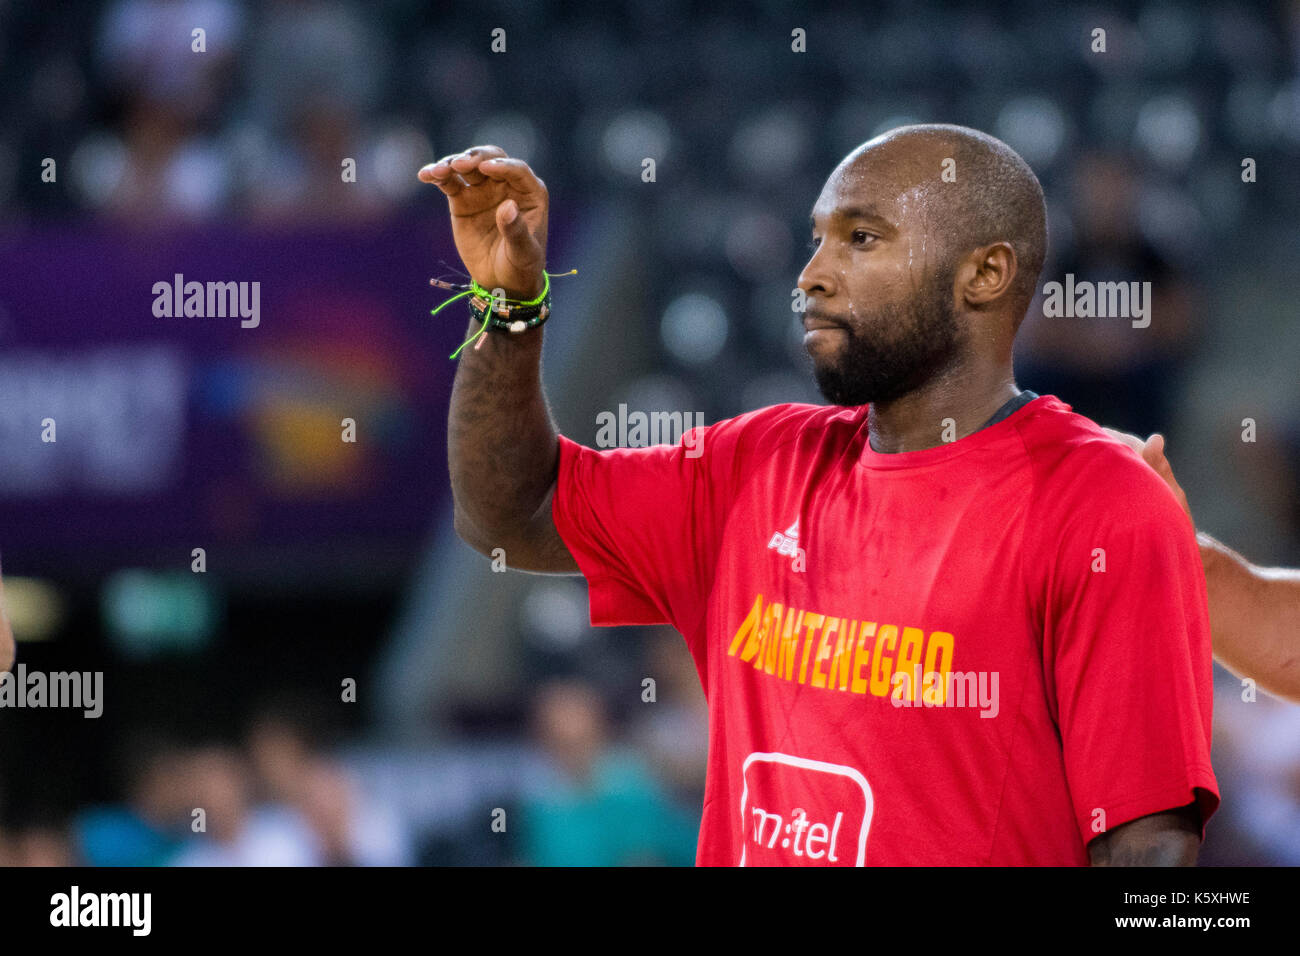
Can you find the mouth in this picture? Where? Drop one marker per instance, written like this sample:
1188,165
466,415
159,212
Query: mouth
818,323
818,329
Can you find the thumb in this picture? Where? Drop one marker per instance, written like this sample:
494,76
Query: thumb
513,229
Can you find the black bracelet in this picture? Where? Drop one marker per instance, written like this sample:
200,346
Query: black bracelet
514,319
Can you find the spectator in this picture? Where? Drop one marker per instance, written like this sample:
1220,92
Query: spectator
218,782
146,829
351,827
600,807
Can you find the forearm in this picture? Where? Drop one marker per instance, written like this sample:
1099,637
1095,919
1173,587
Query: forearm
1168,848
1254,618
502,445
1171,838
7,646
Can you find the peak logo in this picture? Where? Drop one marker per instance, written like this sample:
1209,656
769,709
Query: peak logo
787,543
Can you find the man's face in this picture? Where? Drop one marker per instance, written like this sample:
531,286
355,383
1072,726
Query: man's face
880,318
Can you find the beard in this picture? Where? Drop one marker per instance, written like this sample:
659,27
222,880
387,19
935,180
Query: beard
892,351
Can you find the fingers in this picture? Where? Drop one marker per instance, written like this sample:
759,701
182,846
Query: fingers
1152,450
1131,440
443,176
515,173
467,163
1153,453
455,171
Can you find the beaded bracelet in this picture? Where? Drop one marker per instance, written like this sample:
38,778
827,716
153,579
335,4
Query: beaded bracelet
510,315
514,316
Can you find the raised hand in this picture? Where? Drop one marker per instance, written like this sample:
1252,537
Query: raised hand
498,217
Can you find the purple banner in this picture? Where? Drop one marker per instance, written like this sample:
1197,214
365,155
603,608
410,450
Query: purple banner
261,391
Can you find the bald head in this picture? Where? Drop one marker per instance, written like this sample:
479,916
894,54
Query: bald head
993,195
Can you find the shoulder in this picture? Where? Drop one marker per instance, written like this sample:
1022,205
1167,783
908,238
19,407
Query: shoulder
724,449
776,425
1083,477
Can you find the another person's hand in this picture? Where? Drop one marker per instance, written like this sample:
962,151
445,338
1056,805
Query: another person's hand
498,217
1153,453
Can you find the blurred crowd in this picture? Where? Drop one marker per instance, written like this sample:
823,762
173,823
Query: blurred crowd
1139,148
276,799
584,790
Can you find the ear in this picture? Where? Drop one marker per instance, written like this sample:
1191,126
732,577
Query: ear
987,274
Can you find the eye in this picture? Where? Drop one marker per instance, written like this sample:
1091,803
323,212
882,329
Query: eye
861,236
812,244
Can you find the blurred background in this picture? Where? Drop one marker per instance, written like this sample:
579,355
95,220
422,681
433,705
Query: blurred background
346,683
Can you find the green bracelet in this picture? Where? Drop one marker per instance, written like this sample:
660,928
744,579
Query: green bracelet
512,315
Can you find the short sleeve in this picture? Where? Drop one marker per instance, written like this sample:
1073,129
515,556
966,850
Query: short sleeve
645,524
1127,651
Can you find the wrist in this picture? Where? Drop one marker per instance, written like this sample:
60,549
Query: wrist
510,311
514,315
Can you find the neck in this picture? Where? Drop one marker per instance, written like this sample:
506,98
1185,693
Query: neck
967,394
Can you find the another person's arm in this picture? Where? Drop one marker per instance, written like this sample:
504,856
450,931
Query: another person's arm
502,445
8,650
1254,611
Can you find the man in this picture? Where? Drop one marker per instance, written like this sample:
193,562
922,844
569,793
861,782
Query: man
940,621
1254,611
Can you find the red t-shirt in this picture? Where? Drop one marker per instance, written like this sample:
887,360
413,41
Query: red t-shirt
1037,586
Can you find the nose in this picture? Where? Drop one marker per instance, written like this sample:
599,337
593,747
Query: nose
816,277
